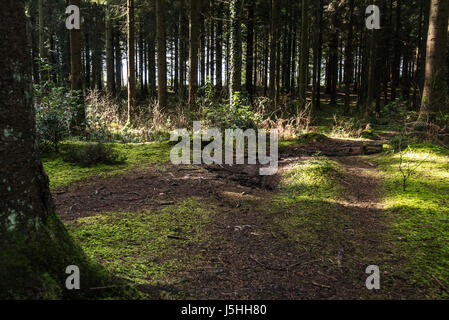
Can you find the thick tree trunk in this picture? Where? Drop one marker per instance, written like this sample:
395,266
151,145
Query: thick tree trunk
435,85
35,247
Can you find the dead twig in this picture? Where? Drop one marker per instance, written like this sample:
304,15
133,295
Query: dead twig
441,284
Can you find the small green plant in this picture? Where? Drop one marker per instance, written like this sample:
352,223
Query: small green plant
237,114
56,107
400,142
406,167
93,154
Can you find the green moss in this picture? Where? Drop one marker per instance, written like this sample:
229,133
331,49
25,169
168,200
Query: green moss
33,262
312,179
421,213
62,173
136,246
306,209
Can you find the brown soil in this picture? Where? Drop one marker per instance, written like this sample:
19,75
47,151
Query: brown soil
249,258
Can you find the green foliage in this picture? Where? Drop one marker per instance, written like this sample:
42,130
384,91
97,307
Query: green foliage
94,153
345,127
62,173
238,114
56,107
399,142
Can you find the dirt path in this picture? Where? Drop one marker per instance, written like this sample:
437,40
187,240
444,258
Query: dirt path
249,256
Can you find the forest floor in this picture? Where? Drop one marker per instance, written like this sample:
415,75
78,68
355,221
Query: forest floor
213,232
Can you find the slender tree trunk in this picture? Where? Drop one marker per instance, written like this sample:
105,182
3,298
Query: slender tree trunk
131,63
317,96
304,61
219,50
236,48
397,51
76,73
273,51
193,50
118,61
161,55
41,29
349,58
182,50
250,47
109,54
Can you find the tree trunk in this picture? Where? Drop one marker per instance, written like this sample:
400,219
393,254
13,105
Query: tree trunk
35,246
76,72
349,58
182,50
118,61
250,47
236,48
161,55
273,40
219,51
193,51
41,29
435,86
131,63
304,61
110,80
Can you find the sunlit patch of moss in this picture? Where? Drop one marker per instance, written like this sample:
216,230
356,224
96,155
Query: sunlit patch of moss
421,213
312,179
62,173
306,206
139,246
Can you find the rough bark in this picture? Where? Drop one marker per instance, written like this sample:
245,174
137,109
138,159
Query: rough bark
131,62
435,85
35,246
236,48
193,50
161,55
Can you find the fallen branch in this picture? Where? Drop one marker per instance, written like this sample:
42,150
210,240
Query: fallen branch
441,284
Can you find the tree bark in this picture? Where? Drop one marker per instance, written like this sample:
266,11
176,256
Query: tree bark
193,51
435,85
131,62
35,246
110,79
304,61
161,55
236,48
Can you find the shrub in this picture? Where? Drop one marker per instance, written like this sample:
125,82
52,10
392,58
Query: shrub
56,107
399,143
92,154
238,114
